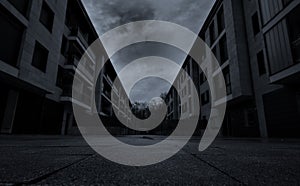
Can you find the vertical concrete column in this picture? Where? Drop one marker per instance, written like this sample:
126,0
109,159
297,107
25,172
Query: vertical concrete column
261,116
64,123
10,111
298,101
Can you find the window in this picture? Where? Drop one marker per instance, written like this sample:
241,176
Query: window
293,22
205,98
10,37
261,63
74,124
212,33
64,45
215,53
21,6
202,78
40,57
279,46
202,36
255,24
223,50
227,79
59,78
221,21
188,69
184,107
271,8
47,16
286,2
184,91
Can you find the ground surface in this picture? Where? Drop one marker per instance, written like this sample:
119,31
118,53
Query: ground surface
58,160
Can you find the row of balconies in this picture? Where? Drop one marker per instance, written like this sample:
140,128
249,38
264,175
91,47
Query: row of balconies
71,61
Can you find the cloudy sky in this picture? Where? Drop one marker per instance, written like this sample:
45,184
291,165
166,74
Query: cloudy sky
108,14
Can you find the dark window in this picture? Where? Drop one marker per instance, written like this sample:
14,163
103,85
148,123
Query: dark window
212,33
271,8
202,36
261,63
64,46
223,50
188,68
202,78
221,20
74,124
184,107
215,53
293,22
205,98
47,16
40,57
59,79
278,48
11,36
255,24
21,5
227,79
286,2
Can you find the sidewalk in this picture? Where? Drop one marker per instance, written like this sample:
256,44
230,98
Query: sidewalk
69,160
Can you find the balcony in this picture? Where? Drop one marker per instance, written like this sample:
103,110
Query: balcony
295,45
87,71
67,93
72,60
82,37
291,74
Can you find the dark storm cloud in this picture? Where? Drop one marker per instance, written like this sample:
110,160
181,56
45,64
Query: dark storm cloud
138,92
108,14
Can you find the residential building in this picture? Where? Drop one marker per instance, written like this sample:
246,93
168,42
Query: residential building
106,107
183,108
224,32
42,42
78,35
257,45
273,37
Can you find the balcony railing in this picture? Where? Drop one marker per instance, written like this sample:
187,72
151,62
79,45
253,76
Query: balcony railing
72,60
296,50
84,38
67,92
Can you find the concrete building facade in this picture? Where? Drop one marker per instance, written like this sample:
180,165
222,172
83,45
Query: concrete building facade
42,41
273,35
225,33
78,35
183,108
106,108
257,45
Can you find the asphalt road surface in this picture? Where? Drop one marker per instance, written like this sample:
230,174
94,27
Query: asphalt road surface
68,160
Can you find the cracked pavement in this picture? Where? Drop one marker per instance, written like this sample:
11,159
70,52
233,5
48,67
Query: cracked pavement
68,160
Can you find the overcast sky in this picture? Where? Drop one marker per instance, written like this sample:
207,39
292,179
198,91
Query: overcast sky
108,14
